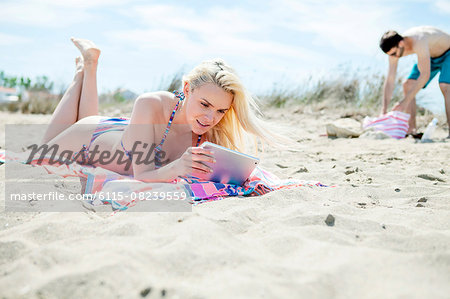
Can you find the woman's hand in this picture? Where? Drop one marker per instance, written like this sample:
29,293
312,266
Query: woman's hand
193,161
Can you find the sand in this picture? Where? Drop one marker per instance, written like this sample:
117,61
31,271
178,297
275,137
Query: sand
388,235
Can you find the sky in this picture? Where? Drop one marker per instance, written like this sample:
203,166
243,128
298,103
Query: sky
269,43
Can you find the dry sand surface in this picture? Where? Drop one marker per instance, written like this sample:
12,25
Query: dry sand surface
388,236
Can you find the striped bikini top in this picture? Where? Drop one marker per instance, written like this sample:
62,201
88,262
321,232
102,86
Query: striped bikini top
158,148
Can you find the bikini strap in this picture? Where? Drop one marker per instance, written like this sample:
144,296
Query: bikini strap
181,97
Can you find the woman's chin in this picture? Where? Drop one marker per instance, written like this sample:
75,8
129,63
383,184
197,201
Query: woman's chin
200,129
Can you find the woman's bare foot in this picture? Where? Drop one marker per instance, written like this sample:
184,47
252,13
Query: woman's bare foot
88,50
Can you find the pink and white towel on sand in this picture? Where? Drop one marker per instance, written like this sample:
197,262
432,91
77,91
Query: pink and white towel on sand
394,124
97,179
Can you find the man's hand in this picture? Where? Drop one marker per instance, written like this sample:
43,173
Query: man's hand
400,106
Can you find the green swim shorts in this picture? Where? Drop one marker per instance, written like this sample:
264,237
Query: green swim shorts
438,64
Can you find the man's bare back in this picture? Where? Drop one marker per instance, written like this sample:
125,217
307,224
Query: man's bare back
437,41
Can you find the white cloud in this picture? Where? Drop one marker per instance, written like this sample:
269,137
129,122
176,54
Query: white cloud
279,37
347,26
44,14
77,4
213,21
51,13
215,31
9,39
443,6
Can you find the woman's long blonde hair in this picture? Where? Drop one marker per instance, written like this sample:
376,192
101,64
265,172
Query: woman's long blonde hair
240,124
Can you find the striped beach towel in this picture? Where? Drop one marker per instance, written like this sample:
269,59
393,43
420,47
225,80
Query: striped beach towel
198,191
394,124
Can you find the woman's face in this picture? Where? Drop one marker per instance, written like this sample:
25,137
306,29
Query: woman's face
205,106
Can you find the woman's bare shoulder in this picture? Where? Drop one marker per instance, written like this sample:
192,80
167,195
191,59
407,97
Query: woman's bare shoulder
152,105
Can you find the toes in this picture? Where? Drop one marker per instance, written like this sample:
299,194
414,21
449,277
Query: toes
88,50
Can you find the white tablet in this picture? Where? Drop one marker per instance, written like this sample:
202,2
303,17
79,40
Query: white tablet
231,167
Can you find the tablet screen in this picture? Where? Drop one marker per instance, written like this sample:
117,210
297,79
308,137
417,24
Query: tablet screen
231,167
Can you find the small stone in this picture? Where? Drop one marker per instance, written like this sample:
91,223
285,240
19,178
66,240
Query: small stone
145,292
442,171
394,158
430,177
302,169
423,199
330,220
180,220
334,166
362,203
350,171
383,226
163,293
281,166
397,190
419,205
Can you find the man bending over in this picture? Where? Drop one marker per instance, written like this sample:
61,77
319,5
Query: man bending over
432,47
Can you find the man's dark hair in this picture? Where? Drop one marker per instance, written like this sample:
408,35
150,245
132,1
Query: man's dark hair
389,40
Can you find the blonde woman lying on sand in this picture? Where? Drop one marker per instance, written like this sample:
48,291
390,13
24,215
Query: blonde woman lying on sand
213,106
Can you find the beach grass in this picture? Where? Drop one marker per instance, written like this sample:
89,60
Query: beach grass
354,89
357,90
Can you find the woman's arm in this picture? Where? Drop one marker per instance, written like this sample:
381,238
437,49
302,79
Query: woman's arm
190,163
139,138
161,175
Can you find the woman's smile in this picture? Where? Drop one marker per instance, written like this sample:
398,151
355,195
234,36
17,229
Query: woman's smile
202,124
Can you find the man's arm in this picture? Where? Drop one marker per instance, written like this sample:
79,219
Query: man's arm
423,64
389,83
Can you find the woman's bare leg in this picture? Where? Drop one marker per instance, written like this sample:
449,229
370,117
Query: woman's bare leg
89,98
66,112
81,98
